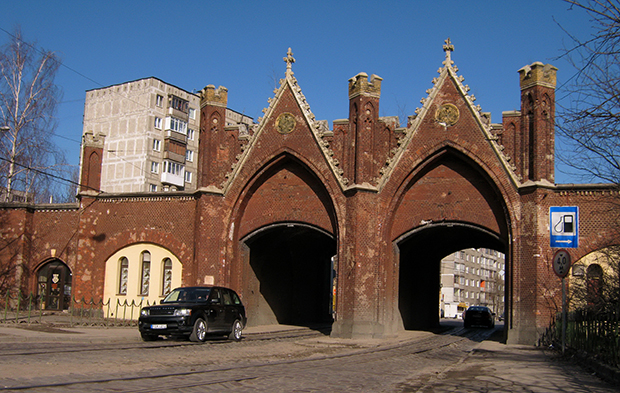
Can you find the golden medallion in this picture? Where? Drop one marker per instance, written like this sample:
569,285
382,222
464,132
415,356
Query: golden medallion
447,114
285,123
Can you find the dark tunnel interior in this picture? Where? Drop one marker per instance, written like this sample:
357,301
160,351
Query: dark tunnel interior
420,262
292,264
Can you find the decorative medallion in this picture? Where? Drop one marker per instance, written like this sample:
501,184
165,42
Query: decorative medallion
285,123
447,114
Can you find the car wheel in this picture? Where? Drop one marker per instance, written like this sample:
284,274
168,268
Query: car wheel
199,332
467,325
148,337
235,333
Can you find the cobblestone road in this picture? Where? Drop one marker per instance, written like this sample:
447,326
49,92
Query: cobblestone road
463,360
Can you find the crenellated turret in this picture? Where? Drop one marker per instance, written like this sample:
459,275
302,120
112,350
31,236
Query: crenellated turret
213,149
529,134
359,154
92,155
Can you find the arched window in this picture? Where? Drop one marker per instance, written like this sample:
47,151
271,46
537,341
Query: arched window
145,273
594,284
166,276
123,275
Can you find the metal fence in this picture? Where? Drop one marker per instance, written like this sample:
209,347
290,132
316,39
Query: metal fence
29,309
596,335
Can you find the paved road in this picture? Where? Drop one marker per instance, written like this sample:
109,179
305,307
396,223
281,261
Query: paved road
281,359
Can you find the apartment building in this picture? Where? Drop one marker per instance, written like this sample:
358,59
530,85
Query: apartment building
472,277
151,133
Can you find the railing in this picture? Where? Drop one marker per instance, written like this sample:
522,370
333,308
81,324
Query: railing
28,309
597,335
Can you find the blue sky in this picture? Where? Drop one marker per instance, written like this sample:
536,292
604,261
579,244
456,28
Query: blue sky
241,44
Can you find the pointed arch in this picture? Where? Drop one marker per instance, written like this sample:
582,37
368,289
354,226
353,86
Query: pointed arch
285,189
452,186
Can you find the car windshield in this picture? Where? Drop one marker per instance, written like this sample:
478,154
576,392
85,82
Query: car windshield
187,295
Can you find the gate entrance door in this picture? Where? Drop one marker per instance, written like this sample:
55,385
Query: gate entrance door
54,280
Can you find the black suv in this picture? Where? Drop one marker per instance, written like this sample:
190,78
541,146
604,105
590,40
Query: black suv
478,315
194,311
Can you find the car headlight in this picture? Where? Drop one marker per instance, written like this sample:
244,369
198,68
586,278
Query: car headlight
145,312
182,312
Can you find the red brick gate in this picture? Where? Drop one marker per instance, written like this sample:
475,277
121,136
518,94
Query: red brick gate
369,206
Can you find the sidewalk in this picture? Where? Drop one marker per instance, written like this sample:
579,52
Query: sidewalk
496,367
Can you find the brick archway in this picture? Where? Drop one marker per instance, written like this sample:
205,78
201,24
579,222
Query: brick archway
448,203
285,197
420,255
288,275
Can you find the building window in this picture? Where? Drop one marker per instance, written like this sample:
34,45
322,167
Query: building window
123,275
156,145
192,113
167,277
188,177
190,134
189,155
159,100
146,273
177,125
153,187
158,123
154,167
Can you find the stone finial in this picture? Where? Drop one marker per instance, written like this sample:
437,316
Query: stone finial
360,85
448,48
538,74
211,95
289,60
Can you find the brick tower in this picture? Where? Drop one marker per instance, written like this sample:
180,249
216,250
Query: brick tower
534,157
359,154
213,151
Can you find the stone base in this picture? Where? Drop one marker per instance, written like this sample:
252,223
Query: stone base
359,329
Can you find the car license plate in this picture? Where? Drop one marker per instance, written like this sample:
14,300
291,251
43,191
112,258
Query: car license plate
164,326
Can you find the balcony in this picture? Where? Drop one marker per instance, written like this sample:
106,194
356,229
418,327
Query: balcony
178,114
173,173
169,155
177,136
174,179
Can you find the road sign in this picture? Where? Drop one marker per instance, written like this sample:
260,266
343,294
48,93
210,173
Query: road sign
564,226
561,263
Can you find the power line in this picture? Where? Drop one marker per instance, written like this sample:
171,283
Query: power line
49,174
54,58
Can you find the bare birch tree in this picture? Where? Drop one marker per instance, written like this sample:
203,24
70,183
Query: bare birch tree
589,122
590,116
28,101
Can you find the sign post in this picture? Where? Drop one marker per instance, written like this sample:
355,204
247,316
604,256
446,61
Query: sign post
561,266
564,226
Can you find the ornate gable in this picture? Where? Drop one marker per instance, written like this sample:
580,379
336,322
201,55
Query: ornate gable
284,121
446,115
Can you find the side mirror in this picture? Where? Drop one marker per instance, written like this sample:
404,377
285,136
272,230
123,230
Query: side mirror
215,301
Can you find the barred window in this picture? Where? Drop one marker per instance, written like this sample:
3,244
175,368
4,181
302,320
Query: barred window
167,277
146,273
123,275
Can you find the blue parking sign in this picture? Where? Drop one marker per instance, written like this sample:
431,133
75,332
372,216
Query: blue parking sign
564,226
